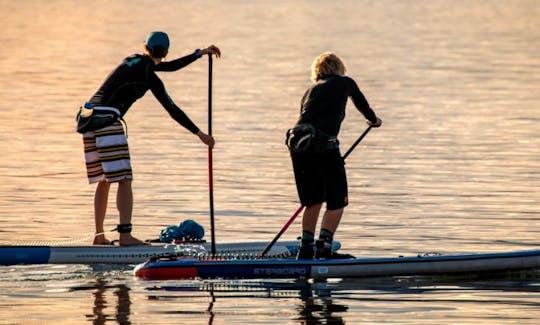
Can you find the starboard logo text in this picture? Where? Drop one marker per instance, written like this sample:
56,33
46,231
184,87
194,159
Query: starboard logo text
295,271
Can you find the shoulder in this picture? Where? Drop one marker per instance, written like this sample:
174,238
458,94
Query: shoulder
349,83
136,60
339,84
348,80
338,80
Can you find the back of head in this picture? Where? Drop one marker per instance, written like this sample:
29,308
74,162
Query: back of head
326,65
157,44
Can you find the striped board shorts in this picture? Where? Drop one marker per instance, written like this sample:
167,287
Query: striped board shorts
106,154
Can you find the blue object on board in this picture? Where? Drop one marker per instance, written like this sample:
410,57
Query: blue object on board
186,230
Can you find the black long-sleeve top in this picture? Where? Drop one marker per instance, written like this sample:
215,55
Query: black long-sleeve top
133,77
323,104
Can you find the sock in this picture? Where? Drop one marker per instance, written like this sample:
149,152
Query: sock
324,244
307,237
326,235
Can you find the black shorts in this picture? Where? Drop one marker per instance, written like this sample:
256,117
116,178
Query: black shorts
321,178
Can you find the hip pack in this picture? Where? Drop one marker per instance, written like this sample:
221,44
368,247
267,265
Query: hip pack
91,118
306,138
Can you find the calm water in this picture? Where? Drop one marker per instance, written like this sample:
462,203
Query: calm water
455,167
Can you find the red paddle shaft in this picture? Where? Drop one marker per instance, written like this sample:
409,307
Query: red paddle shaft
210,167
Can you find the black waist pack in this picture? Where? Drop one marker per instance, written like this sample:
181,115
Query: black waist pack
305,138
91,118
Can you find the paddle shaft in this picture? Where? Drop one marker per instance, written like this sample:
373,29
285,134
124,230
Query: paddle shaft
293,217
357,142
210,165
281,232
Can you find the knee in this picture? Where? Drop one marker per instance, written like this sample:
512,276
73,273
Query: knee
104,185
313,210
335,212
316,206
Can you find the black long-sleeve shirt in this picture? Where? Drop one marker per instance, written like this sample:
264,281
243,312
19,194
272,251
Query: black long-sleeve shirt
133,77
323,104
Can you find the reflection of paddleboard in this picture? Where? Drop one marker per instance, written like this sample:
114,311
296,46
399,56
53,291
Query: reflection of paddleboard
183,268
108,254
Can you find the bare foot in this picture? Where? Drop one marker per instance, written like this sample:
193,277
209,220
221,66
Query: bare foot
101,240
128,240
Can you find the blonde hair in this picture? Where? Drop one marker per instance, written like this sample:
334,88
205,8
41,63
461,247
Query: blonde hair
325,65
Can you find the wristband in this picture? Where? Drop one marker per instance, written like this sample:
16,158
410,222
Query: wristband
198,53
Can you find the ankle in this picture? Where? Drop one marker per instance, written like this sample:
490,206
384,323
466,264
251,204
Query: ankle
308,237
326,235
323,248
124,228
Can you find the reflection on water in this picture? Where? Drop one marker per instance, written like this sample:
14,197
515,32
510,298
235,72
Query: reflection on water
334,302
315,305
318,308
110,296
455,167
105,296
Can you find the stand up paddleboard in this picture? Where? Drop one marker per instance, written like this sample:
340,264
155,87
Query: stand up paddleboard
189,268
108,254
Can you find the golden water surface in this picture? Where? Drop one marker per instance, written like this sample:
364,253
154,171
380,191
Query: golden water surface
454,168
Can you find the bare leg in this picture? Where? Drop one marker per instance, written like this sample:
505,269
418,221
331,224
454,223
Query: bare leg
309,223
329,226
310,217
331,220
124,203
100,209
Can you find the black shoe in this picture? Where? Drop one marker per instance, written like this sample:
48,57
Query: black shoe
306,252
324,249
340,256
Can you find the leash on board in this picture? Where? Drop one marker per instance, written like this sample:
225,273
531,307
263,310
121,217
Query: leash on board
60,242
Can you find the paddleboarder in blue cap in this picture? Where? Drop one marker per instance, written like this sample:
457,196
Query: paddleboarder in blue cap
105,142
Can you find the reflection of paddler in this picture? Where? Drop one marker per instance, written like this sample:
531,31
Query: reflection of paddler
319,309
123,305
106,149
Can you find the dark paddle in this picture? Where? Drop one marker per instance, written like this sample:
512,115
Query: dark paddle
210,168
291,219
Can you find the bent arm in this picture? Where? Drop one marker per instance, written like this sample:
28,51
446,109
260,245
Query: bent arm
158,89
360,101
179,63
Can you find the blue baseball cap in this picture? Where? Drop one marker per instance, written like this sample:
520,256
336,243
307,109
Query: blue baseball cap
155,39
